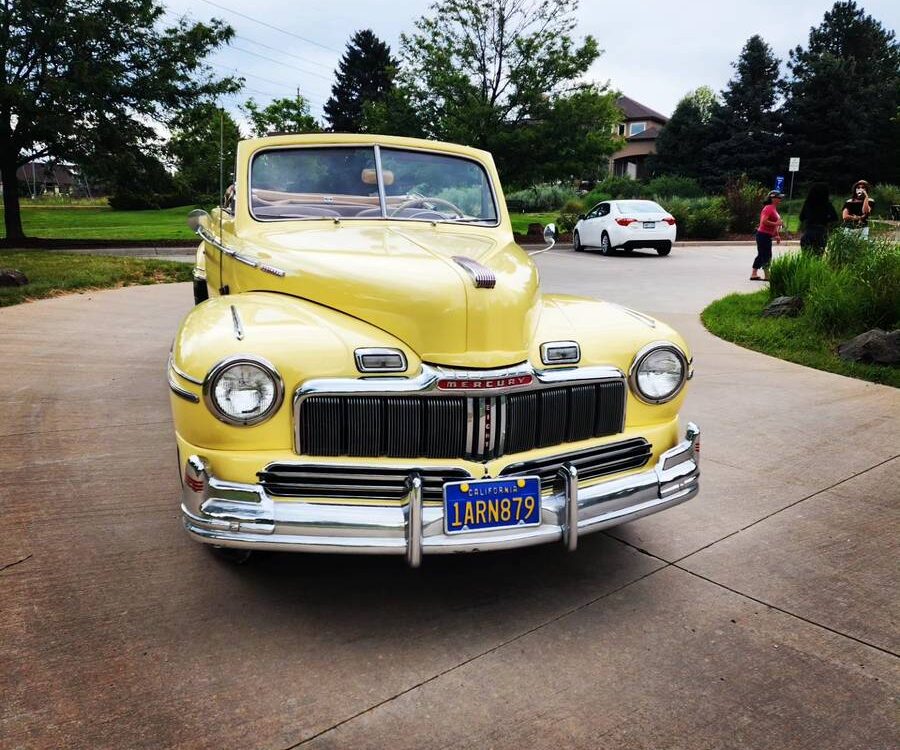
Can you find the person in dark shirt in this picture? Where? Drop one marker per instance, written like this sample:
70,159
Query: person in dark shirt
816,216
857,209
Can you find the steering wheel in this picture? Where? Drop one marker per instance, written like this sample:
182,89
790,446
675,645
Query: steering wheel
422,201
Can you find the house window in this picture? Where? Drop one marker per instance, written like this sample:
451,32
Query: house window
621,128
636,127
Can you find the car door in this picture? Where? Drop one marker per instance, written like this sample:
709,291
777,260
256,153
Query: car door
598,224
588,232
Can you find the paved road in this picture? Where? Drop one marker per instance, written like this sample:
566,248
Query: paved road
763,614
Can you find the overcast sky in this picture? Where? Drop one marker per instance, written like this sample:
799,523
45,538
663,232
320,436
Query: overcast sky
654,51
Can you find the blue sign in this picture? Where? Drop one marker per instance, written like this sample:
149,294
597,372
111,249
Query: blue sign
779,183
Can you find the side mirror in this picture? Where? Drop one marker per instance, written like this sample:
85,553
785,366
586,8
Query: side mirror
581,217
196,218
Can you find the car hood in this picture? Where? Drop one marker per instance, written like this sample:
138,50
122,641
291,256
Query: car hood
403,279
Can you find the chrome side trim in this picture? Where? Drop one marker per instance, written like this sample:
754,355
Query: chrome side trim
639,358
212,377
236,320
247,260
181,373
483,276
181,392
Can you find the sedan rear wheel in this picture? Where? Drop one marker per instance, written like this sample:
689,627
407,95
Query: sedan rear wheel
605,245
665,249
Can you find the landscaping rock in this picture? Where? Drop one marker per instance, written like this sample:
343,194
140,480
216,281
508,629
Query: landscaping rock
875,346
12,277
783,307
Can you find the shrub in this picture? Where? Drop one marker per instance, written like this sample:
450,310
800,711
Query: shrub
667,186
837,303
744,200
621,187
567,220
540,198
794,274
125,200
680,208
844,248
595,197
885,195
707,219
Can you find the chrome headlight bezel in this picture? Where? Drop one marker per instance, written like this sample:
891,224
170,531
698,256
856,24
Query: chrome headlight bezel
639,360
212,379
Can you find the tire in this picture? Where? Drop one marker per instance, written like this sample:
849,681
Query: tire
576,242
201,293
665,249
233,555
605,245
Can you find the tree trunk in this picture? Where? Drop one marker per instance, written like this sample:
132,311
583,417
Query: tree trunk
11,213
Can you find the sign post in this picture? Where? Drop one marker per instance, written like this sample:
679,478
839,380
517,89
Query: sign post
793,166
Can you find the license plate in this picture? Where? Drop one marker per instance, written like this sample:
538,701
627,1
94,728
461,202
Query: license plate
483,504
649,225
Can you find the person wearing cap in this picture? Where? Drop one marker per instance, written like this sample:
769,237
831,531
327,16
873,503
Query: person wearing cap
769,227
857,209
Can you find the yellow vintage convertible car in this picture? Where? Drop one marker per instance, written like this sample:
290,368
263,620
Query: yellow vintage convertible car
373,368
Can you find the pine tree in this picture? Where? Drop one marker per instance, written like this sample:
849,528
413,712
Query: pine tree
843,98
365,74
745,128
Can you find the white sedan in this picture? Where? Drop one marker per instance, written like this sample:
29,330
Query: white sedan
627,225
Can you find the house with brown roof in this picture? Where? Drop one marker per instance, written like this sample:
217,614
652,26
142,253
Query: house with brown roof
640,127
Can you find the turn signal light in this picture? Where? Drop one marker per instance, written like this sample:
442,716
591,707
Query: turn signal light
670,220
625,222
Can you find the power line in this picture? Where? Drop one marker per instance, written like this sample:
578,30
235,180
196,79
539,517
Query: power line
241,74
268,25
283,52
279,62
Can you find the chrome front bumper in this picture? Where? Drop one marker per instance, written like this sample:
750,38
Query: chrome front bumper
243,515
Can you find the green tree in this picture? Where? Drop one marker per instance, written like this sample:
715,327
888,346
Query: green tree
194,148
681,144
746,127
365,74
78,75
289,115
843,98
491,73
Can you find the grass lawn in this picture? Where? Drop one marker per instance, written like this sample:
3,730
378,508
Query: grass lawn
520,222
51,274
736,318
102,223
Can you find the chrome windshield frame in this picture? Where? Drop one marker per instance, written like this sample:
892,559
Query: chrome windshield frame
382,193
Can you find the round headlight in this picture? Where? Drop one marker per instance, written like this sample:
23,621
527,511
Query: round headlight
658,373
243,391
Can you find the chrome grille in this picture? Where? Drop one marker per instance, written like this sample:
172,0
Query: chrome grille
295,480
437,425
591,463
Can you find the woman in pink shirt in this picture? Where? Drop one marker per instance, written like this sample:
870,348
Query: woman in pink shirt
769,227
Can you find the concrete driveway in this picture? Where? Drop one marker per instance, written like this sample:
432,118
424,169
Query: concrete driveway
763,614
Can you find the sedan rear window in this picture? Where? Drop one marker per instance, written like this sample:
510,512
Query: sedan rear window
640,207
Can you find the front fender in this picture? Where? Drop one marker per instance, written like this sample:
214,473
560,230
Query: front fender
300,339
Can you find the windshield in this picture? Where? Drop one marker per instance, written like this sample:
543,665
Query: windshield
342,183
640,207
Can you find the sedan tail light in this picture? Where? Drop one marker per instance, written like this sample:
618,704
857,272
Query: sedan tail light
625,222
670,220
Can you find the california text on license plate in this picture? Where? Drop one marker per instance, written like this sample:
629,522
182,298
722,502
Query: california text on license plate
482,504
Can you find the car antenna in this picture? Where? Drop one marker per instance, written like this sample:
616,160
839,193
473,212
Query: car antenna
223,289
